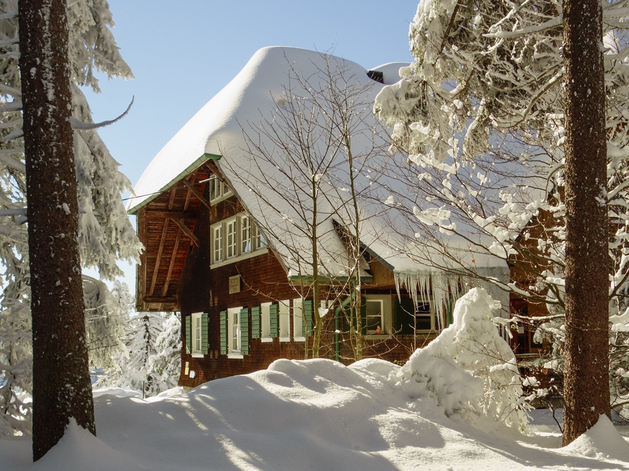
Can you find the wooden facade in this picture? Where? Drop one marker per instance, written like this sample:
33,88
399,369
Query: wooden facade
223,303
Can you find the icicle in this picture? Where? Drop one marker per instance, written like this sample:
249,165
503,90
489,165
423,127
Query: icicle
434,287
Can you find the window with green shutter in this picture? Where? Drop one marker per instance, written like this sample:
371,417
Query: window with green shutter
308,316
205,344
244,331
223,332
274,320
255,322
189,334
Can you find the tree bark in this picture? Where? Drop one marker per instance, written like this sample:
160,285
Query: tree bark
61,382
586,383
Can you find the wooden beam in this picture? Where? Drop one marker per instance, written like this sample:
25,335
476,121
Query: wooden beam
158,260
173,214
173,193
172,263
188,232
197,194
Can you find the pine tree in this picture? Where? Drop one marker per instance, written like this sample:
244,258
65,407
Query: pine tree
61,382
105,232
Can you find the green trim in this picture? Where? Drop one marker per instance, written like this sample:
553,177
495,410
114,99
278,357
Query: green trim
187,171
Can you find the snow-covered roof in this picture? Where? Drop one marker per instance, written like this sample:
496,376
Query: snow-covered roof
275,78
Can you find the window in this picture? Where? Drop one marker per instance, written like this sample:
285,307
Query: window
410,318
377,314
374,315
284,314
234,332
246,242
424,318
265,321
218,242
236,237
218,189
298,319
197,334
234,329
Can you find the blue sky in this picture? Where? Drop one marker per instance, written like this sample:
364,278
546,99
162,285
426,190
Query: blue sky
183,53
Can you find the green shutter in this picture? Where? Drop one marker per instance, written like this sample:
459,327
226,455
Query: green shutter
363,315
223,332
308,317
204,333
244,331
189,334
274,320
255,322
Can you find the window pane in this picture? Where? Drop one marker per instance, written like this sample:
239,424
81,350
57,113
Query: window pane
265,312
218,243
284,319
374,310
231,239
245,234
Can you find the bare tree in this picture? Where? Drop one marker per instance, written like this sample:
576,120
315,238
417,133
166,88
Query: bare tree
307,165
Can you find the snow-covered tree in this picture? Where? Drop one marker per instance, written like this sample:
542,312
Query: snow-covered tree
149,360
469,368
106,319
484,115
105,233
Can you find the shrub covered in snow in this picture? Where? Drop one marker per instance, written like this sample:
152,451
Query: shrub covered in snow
469,368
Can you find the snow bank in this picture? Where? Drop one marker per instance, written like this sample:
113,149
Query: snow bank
602,441
298,415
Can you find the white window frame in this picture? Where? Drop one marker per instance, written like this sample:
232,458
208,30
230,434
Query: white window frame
284,320
298,320
196,333
234,340
265,322
218,190
386,314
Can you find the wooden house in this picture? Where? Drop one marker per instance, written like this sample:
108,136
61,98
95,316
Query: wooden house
227,248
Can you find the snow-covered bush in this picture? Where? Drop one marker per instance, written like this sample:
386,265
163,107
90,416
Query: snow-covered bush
469,368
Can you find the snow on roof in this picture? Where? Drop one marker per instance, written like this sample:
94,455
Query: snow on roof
242,125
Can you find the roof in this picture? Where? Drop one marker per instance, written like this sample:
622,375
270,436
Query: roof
233,128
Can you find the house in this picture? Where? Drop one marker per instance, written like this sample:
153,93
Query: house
227,213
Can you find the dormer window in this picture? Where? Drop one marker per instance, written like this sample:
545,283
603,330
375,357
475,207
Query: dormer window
218,190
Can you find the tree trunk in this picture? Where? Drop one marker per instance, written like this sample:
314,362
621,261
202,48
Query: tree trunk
586,387
61,382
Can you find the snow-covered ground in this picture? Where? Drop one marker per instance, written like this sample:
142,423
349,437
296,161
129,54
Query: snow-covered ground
308,415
